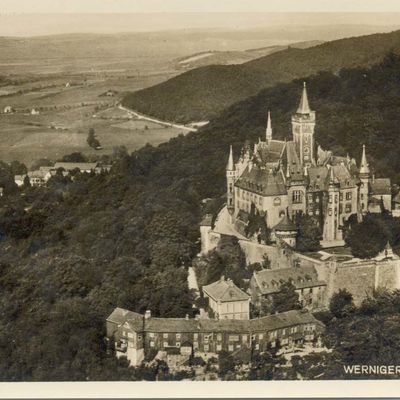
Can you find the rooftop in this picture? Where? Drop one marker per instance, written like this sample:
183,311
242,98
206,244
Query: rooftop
137,322
270,280
225,290
264,182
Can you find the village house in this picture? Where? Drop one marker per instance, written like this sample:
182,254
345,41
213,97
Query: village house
132,335
41,176
226,300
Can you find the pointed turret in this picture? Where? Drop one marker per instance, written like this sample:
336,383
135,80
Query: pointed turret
364,168
304,107
269,128
230,166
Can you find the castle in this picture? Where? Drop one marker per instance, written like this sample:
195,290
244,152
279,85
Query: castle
278,177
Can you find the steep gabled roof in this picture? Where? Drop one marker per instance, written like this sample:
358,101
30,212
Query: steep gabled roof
293,164
264,182
224,291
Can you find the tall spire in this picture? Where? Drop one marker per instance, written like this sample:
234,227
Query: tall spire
364,168
230,166
269,128
304,107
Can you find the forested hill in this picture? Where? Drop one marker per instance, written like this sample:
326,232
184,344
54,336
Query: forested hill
202,93
73,251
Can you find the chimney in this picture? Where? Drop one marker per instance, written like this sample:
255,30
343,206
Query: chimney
147,314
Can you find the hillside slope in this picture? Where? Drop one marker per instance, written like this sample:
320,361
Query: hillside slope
202,93
121,239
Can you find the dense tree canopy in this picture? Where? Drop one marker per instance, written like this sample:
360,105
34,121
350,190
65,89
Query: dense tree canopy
72,251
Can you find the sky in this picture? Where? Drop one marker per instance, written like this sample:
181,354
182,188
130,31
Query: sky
126,6
47,17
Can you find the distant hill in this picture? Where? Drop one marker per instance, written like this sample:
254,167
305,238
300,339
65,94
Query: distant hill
235,57
200,94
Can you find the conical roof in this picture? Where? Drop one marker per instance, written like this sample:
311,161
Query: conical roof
304,107
269,127
230,166
285,225
364,168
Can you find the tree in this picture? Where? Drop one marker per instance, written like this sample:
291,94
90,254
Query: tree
366,239
226,363
286,299
92,140
75,157
309,234
341,303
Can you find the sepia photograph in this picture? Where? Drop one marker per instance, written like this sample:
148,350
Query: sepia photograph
195,194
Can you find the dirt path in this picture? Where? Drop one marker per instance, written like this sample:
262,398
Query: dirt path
157,121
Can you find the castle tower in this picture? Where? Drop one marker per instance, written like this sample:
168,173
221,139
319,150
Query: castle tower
365,177
286,230
230,181
268,132
331,230
303,125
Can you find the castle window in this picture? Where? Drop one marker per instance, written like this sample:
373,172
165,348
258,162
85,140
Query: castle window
310,198
277,201
206,348
151,344
165,344
348,207
219,337
340,208
341,196
361,196
330,211
317,212
330,198
297,196
336,198
348,196
178,336
165,335
230,188
219,347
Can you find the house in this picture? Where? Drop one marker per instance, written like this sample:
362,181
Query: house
311,290
35,112
132,334
8,110
71,166
226,300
